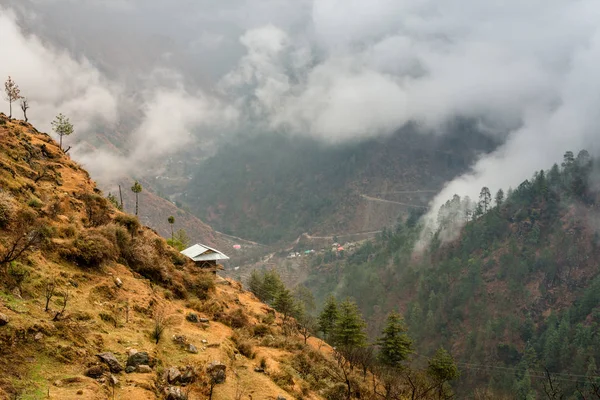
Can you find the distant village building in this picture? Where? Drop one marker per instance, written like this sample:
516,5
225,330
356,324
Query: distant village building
205,257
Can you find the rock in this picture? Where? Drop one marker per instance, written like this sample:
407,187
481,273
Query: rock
192,317
144,369
114,381
4,319
188,375
38,336
174,393
80,392
138,358
259,369
58,383
192,349
129,369
131,352
204,341
112,362
217,371
180,340
280,397
172,375
95,372
204,320
214,345
118,282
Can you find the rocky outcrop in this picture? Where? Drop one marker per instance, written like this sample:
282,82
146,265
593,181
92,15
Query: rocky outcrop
111,361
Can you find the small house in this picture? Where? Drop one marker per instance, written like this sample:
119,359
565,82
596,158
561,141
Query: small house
205,257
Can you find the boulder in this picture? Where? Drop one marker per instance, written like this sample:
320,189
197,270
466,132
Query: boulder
174,393
139,358
95,371
129,369
4,319
192,317
217,371
180,340
192,349
112,362
118,282
188,375
172,375
204,320
144,369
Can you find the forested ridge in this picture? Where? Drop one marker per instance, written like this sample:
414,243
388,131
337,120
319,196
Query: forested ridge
270,187
514,294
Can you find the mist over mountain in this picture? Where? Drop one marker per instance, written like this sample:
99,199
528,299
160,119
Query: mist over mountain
334,70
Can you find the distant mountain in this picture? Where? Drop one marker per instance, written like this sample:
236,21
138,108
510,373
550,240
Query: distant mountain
273,187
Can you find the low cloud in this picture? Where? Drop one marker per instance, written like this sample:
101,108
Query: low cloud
53,81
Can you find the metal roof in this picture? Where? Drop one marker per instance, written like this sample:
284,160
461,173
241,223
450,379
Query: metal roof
200,252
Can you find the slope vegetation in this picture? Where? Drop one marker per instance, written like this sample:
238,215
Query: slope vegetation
81,283
515,296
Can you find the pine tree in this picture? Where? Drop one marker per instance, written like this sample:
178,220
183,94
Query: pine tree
442,369
255,284
285,304
485,199
137,189
62,127
349,330
499,198
272,286
394,343
171,220
328,317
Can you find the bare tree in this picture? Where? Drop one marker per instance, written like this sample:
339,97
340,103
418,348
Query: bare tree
22,243
60,313
25,107
48,293
12,93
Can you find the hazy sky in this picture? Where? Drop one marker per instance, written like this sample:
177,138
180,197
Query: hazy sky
526,70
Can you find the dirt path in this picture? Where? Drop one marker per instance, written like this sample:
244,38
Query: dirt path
239,239
364,196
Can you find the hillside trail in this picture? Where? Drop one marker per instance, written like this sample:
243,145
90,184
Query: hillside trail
370,198
241,239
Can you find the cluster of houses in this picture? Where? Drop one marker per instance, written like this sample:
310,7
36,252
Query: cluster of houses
335,248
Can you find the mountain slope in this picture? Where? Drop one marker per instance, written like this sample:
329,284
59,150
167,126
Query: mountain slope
514,295
79,278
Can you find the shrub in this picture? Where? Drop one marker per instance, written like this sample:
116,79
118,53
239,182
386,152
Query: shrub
244,346
131,223
7,209
213,308
202,285
236,319
97,209
34,202
260,330
283,379
90,250
269,319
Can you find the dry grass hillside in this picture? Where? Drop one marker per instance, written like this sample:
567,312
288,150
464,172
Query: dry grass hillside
79,278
